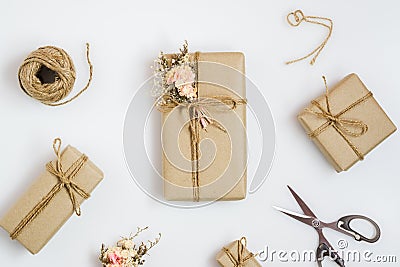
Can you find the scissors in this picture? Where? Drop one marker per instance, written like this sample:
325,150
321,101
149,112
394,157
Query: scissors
342,225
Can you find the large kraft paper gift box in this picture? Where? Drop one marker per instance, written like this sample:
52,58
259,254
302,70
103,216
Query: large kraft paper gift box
45,223
346,123
222,160
236,254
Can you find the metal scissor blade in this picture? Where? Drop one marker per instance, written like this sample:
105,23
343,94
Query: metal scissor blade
302,204
300,217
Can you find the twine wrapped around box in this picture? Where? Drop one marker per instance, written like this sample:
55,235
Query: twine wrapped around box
346,122
52,198
199,118
340,124
237,255
65,181
203,97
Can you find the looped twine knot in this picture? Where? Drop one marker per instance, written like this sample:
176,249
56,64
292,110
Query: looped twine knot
345,127
295,18
57,64
198,109
65,181
239,259
360,128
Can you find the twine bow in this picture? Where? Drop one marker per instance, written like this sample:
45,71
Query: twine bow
65,181
296,18
345,127
240,259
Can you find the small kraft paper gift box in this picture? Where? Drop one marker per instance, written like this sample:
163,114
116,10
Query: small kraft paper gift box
236,254
346,123
52,198
203,105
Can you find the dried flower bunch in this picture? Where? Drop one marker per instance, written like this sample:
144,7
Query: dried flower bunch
175,77
126,253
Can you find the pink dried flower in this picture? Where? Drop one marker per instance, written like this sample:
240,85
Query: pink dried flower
187,91
126,254
114,258
180,75
183,78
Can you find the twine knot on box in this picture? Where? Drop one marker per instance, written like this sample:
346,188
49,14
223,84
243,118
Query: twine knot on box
48,75
238,258
344,126
65,180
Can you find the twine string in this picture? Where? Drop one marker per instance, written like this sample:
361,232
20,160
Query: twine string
57,60
345,127
239,259
195,136
65,180
299,17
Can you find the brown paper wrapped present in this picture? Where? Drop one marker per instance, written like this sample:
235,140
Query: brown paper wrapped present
346,123
208,164
52,198
237,255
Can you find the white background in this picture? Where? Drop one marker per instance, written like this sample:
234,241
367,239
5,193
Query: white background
125,36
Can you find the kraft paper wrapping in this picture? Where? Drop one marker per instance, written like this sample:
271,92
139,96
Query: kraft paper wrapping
332,145
36,234
223,159
224,260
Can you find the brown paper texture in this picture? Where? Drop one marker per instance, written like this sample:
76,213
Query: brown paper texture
223,159
331,144
223,259
36,234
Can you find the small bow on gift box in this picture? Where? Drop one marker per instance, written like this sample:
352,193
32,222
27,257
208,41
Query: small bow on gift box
65,180
344,126
239,259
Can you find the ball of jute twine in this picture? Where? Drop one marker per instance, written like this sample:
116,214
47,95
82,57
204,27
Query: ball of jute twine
57,61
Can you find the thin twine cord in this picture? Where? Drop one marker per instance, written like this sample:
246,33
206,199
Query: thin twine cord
57,60
299,17
195,138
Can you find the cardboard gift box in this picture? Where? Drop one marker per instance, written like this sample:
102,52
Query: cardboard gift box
222,163
42,210
236,254
346,123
